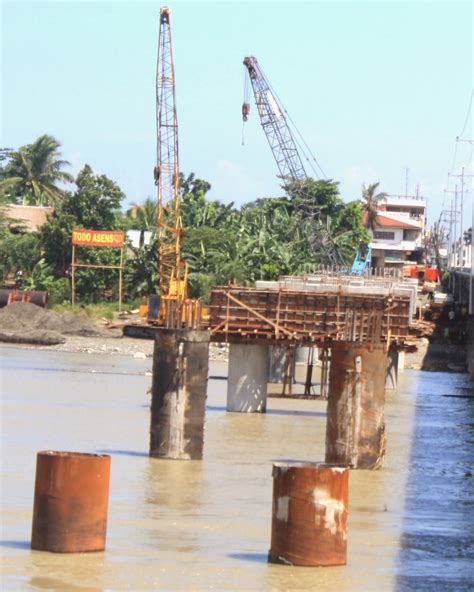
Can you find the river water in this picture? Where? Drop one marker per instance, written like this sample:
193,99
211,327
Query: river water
205,525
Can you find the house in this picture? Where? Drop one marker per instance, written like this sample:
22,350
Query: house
398,237
27,218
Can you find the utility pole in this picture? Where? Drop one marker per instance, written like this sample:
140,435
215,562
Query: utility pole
452,236
446,219
454,220
462,176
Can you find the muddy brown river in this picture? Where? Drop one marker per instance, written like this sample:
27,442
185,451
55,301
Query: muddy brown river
205,525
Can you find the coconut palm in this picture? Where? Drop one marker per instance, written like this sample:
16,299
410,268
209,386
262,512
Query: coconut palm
371,201
32,173
143,215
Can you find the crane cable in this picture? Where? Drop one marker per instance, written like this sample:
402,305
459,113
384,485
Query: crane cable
308,149
245,104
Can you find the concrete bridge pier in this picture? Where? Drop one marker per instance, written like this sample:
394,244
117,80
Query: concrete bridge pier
247,378
355,429
281,364
178,393
392,371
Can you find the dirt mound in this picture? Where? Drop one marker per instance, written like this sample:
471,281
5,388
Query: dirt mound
24,322
32,337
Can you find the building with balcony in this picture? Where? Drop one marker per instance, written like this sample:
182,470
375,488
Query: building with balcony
398,237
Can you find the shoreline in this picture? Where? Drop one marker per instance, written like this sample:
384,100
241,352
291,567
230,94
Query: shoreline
429,356
117,345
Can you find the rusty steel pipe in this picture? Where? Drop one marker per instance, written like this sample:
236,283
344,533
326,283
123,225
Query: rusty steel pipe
309,514
71,502
9,295
355,427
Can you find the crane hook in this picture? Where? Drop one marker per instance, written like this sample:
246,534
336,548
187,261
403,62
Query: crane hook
245,111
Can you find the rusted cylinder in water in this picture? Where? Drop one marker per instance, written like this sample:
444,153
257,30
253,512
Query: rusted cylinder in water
355,427
71,502
309,514
178,393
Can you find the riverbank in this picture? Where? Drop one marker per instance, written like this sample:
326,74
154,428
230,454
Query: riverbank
30,326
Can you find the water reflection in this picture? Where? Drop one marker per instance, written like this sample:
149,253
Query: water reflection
437,546
173,499
16,544
123,452
41,583
174,484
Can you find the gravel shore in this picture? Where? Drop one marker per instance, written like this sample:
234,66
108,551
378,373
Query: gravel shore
115,345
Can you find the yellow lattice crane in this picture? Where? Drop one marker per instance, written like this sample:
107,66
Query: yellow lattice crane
173,271
175,309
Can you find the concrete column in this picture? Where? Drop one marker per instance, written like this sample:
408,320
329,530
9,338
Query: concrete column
401,360
278,362
302,354
178,394
247,378
325,357
355,429
392,371
309,514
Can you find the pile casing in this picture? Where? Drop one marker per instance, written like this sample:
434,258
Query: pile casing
309,514
71,502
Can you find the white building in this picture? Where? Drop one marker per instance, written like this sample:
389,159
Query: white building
398,237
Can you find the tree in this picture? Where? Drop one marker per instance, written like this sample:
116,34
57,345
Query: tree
371,201
32,173
437,239
467,236
143,216
94,205
321,208
191,184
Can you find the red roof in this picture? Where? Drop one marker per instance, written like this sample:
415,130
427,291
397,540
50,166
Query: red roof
386,222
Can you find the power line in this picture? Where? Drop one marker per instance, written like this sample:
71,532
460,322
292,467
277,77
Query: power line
467,116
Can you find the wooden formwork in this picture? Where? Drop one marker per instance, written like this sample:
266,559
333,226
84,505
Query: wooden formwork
258,315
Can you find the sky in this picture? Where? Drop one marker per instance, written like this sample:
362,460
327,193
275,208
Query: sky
379,90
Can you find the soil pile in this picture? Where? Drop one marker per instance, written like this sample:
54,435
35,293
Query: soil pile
23,322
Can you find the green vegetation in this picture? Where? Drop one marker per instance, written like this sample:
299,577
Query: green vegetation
371,201
32,173
262,239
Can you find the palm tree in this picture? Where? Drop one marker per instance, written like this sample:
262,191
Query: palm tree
33,172
371,201
143,215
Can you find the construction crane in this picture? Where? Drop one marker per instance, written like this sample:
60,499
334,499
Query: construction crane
173,270
284,148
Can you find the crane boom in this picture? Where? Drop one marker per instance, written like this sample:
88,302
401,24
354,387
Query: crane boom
277,131
286,154
173,271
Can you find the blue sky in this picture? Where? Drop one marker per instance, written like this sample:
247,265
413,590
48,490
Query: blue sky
374,87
